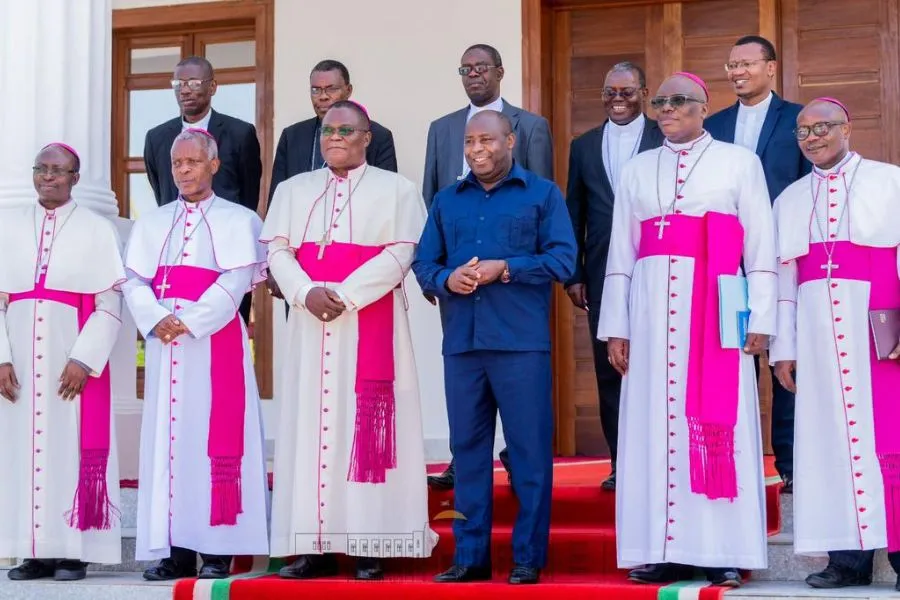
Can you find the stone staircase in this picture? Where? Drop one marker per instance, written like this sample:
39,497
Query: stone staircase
783,578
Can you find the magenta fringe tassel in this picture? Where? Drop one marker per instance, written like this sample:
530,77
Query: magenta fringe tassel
713,472
226,501
91,506
374,437
890,473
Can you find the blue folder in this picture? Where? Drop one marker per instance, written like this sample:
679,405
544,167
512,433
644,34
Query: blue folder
734,312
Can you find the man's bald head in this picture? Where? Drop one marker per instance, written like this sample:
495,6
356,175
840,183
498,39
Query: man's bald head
823,132
681,104
488,118
488,146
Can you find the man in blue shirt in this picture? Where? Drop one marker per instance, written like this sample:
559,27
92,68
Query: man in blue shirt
492,247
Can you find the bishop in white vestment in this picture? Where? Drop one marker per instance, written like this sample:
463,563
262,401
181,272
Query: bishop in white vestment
838,233
349,454
60,314
691,489
203,483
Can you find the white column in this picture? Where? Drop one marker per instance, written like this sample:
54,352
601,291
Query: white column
55,85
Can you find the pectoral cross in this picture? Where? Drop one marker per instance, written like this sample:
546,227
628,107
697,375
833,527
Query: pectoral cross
162,287
661,225
325,241
828,267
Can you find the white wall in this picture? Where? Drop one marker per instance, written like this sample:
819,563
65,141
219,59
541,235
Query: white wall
402,56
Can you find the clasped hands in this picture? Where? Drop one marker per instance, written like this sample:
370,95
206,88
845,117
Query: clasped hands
466,278
618,350
169,329
324,304
71,382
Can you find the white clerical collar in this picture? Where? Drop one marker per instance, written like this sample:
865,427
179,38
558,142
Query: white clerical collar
495,105
353,174
846,163
760,107
201,124
700,142
60,211
202,205
635,126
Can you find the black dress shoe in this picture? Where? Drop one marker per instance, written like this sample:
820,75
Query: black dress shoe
215,568
660,573
524,575
609,484
788,487
168,569
458,574
504,460
835,577
70,570
445,480
32,569
369,569
723,577
311,566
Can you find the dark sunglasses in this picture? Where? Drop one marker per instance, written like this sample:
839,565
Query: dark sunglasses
821,129
343,131
675,101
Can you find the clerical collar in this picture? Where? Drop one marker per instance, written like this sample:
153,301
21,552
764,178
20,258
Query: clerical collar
352,174
202,205
201,124
635,126
761,107
836,169
701,141
61,210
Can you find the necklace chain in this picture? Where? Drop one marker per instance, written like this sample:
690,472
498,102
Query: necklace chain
179,257
328,224
829,251
678,189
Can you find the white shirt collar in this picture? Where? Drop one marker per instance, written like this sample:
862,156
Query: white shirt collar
495,105
701,141
352,174
845,163
202,205
761,107
635,126
62,211
201,124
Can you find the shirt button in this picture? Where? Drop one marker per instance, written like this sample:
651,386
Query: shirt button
478,242
481,218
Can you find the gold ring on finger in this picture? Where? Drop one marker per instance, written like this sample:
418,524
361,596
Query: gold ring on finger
325,316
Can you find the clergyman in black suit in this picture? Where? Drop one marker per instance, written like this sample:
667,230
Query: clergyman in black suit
238,178
299,149
595,161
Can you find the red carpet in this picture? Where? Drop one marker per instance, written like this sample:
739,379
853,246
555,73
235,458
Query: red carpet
582,555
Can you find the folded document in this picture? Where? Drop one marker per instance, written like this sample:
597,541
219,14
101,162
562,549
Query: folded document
734,312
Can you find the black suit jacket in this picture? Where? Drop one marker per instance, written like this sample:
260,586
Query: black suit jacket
590,199
238,178
294,152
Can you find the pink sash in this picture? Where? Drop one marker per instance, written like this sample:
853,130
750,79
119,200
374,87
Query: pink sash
374,436
878,266
715,242
225,445
91,506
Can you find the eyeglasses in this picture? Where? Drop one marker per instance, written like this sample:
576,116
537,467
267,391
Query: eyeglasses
821,129
331,90
192,84
626,93
52,171
342,131
742,65
675,101
480,69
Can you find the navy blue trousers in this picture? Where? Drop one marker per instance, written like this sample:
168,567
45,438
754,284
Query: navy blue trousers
782,425
518,384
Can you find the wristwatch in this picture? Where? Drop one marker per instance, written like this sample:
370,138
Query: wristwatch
504,277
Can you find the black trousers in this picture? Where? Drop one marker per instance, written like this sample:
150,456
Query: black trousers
609,384
244,309
782,425
861,561
188,558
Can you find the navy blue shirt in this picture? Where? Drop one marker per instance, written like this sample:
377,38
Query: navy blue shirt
522,220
